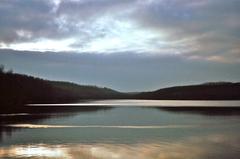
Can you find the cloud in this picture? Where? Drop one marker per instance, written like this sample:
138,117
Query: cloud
25,20
204,29
208,30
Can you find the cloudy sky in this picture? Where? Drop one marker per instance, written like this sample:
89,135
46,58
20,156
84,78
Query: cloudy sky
129,45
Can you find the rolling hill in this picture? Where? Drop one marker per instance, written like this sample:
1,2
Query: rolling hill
206,91
16,90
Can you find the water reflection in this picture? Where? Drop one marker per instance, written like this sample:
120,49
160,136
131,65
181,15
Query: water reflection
206,111
215,146
37,126
121,132
38,114
147,103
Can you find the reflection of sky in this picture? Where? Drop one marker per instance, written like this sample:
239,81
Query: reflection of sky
121,125
150,103
215,146
121,133
36,126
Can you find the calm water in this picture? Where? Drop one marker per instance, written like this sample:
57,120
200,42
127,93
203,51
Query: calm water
124,132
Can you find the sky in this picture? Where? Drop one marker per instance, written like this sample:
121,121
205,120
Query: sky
128,45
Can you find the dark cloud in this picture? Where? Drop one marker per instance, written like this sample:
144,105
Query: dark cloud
25,20
92,9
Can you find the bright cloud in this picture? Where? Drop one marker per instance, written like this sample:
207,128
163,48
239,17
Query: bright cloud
42,45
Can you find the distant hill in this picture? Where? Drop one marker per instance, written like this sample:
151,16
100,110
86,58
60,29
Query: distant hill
85,92
17,90
206,91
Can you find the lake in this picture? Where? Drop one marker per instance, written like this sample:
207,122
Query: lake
123,129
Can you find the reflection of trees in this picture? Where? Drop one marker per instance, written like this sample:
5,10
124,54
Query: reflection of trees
33,115
5,131
208,111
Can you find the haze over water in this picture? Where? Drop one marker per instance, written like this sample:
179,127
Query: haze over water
123,132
